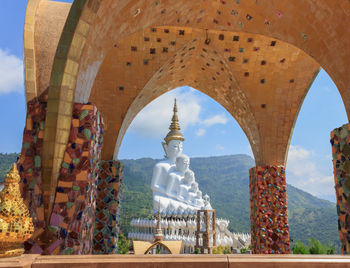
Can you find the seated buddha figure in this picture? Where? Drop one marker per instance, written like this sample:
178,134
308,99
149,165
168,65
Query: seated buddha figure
186,185
16,225
172,147
176,175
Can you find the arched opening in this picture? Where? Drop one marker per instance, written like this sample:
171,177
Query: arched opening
98,28
218,149
309,164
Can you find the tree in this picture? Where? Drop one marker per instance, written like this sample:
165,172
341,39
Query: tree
123,245
226,250
300,248
218,250
315,247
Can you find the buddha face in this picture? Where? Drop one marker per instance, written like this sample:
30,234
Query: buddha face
173,148
182,163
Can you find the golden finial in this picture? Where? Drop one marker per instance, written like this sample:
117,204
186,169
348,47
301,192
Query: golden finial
12,176
174,133
16,225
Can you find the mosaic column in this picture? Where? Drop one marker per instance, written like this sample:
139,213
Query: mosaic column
340,140
73,215
29,167
268,210
72,221
107,215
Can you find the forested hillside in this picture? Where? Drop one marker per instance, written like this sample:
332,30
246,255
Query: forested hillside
226,180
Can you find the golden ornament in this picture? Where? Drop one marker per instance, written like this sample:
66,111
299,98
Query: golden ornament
174,133
16,225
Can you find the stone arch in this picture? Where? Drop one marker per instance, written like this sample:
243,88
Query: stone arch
174,73
155,245
270,19
204,68
95,29
28,53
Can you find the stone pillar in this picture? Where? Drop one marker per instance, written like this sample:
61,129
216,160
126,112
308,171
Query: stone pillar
268,210
107,215
340,140
205,230
73,216
29,167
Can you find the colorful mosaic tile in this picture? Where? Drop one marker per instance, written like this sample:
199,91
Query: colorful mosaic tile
29,167
340,140
268,206
73,215
107,221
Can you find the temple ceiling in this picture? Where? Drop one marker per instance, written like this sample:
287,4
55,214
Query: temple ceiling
256,58
259,80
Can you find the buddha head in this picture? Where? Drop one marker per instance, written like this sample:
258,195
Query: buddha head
174,139
182,163
173,149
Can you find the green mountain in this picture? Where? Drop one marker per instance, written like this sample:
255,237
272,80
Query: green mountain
309,216
228,189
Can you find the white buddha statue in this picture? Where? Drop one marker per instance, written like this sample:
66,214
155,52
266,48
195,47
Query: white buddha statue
172,148
173,183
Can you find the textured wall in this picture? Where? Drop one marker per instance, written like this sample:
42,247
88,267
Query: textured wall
107,222
73,215
340,140
72,221
268,208
29,166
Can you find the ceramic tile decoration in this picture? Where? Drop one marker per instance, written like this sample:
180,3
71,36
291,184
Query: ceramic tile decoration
268,210
107,215
73,215
340,140
29,166
256,60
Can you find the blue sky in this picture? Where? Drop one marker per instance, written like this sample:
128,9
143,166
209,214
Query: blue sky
208,128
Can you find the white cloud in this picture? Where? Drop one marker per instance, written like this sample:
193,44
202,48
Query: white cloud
219,147
200,132
216,119
154,120
308,171
11,73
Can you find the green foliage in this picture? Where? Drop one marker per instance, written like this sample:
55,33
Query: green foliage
315,247
300,248
196,251
123,245
218,250
243,250
226,250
